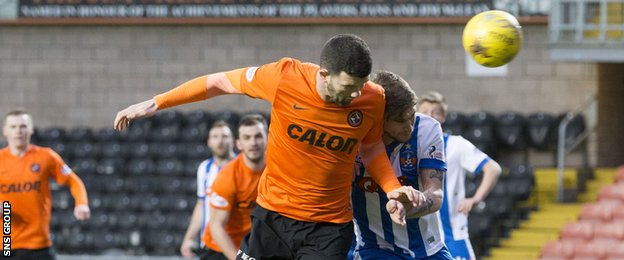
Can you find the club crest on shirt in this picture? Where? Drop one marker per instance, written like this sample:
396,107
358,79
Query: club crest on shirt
434,153
355,118
35,167
218,201
408,159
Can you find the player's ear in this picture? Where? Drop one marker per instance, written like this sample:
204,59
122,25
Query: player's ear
239,146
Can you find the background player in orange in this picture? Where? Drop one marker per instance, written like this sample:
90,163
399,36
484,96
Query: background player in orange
235,189
221,144
321,116
25,171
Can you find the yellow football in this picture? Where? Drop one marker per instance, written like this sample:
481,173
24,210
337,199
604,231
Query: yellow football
492,38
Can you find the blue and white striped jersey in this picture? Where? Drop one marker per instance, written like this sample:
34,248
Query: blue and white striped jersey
461,157
206,173
420,237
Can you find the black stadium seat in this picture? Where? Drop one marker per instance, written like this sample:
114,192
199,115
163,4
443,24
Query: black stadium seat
169,167
455,123
480,131
164,133
197,117
85,166
542,131
575,128
138,150
511,130
80,134
194,133
168,118
85,149
140,166
51,134
107,135
113,149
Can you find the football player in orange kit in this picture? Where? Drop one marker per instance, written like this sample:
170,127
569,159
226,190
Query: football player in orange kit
25,170
235,190
321,116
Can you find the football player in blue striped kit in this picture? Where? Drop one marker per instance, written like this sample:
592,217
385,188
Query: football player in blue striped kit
461,157
415,147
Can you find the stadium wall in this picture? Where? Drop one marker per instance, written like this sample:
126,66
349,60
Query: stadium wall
81,75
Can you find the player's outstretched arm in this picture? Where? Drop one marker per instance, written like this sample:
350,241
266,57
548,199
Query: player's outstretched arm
491,172
194,90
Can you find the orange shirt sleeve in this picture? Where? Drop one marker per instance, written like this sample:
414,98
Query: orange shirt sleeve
223,193
260,82
64,175
374,134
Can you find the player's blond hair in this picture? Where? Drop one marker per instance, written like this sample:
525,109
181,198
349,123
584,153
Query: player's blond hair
18,112
434,97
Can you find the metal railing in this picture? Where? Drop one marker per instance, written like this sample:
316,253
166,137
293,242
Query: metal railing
589,112
587,22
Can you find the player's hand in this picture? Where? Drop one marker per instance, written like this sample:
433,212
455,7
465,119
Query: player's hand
466,205
82,212
397,211
186,248
407,194
139,110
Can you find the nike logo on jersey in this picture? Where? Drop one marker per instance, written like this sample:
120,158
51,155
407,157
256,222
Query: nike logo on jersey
298,107
321,139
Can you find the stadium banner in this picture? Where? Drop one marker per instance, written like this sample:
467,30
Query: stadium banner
258,10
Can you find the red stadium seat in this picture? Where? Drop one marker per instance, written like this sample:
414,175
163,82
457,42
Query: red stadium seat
613,192
612,230
616,252
564,249
579,230
597,211
590,250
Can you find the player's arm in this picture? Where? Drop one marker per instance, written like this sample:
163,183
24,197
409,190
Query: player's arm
491,172
79,192
194,90
432,181
378,165
218,219
192,230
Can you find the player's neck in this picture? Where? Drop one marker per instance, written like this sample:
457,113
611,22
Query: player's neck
18,150
387,139
321,87
254,166
220,161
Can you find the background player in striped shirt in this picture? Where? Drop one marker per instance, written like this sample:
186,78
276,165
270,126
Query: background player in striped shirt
461,157
25,170
414,144
221,144
235,190
321,116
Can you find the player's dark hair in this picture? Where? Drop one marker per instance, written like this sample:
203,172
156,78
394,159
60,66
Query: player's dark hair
348,53
220,123
400,97
251,120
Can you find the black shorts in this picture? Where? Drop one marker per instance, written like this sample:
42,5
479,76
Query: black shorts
209,254
33,254
274,236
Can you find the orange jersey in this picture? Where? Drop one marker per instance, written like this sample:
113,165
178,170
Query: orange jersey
24,184
311,144
234,189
